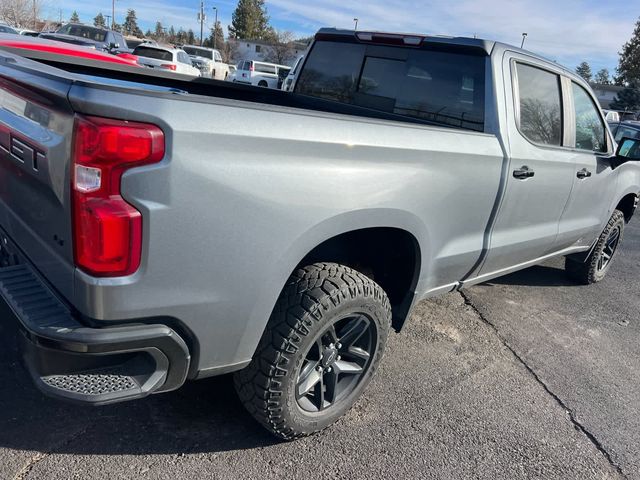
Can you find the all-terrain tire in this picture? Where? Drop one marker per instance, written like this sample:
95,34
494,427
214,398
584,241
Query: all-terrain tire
593,269
314,298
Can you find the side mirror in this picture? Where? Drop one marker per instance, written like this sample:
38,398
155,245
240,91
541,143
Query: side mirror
628,149
114,46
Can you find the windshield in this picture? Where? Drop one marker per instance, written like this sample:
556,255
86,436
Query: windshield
83,31
156,53
199,52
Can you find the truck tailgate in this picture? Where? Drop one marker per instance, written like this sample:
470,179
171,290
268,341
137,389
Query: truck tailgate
36,127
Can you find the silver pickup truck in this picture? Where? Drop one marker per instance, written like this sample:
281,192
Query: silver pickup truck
156,229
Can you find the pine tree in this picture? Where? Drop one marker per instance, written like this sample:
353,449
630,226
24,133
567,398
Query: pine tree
159,31
217,36
172,35
181,37
250,21
148,33
99,20
584,70
75,18
629,63
130,25
628,99
191,37
602,77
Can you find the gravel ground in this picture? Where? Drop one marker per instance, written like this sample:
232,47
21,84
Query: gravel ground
529,376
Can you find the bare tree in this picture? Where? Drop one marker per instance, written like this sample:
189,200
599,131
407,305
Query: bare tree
20,13
229,51
282,51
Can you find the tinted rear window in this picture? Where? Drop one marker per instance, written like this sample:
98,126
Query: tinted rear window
199,52
153,53
264,68
83,31
441,87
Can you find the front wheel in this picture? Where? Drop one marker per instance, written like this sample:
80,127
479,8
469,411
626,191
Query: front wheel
323,342
599,260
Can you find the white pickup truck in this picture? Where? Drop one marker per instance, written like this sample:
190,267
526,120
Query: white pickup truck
208,61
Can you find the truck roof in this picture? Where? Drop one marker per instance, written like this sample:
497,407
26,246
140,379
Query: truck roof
408,39
416,39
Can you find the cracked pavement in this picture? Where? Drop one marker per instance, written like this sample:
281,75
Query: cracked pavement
528,376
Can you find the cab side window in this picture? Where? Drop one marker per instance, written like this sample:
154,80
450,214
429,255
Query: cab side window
590,131
540,105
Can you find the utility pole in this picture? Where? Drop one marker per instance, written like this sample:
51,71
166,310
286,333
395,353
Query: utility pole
34,15
113,14
201,18
108,19
356,20
215,28
524,36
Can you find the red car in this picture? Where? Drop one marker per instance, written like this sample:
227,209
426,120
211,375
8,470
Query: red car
21,45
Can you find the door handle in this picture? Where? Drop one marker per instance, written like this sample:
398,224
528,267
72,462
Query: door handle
523,173
584,173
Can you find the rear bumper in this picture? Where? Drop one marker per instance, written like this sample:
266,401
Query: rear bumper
71,361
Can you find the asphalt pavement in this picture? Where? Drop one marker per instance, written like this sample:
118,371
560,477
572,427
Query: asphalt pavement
529,376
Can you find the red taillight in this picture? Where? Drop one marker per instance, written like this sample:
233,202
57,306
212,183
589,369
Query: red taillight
107,231
251,67
169,66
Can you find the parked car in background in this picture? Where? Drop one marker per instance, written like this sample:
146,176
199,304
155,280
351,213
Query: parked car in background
85,35
289,81
28,33
166,58
133,42
208,61
8,29
46,49
261,74
626,129
232,73
611,115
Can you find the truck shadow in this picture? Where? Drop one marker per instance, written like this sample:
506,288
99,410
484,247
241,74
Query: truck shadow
203,416
548,275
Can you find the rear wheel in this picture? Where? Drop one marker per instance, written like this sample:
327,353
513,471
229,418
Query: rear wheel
262,83
322,344
599,261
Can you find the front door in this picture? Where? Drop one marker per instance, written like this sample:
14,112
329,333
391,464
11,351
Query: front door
593,182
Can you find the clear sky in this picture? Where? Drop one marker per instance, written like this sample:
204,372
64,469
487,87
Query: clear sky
568,31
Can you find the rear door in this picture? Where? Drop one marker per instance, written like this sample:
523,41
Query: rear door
541,170
594,181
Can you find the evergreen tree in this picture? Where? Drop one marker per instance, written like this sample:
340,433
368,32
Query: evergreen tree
602,77
191,37
250,21
171,35
628,99
159,31
217,36
130,25
181,36
99,20
75,18
148,33
629,63
584,70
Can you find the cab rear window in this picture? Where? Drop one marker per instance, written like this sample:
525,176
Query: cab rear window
445,88
153,53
